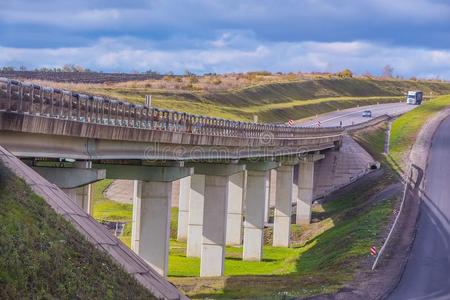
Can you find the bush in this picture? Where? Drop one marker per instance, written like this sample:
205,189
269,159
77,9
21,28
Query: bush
346,73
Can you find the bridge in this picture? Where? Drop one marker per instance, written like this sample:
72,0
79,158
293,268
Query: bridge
73,140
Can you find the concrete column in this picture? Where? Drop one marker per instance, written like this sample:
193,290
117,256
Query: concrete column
267,198
82,195
151,217
235,204
295,184
183,208
283,206
305,191
255,205
214,225
195,219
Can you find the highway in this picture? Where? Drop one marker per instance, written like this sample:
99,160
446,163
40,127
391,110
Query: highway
427,274
354,115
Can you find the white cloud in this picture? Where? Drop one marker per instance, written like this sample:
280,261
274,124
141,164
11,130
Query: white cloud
125,54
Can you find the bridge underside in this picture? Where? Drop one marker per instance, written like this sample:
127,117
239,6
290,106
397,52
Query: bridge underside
38,136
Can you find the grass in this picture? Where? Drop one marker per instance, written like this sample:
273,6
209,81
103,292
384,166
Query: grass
108,210
405,129
42,256
321,266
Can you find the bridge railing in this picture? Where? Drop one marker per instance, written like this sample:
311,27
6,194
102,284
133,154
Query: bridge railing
28,98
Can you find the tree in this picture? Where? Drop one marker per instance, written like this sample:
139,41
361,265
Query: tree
346,73
388,71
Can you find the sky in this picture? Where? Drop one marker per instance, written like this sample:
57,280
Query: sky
203,36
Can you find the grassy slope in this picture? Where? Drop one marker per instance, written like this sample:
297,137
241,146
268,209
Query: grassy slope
405,129
275,101
43,257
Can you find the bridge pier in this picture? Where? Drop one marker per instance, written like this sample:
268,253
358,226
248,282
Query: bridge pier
283,206
306,187
183,208
255,208
195,220
74,179
235,207
215,206
82,196
151,216
152,198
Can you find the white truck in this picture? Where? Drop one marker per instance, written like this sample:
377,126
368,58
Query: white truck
414,97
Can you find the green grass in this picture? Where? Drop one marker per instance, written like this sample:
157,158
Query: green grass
108,210
405,129
322,265
43,257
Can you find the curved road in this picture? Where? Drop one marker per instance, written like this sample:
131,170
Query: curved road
354,115
427,274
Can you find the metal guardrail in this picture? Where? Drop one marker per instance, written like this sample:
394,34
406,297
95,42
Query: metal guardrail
366,124
32,99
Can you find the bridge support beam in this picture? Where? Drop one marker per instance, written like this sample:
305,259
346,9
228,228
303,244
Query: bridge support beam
305,188
183,208
151,210
75,182
235,206
151,218
214,226
267,198
195,219
283,206
215,206
255,208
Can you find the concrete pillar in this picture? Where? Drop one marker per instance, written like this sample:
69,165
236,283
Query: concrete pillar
305,191
151,218
255,205
195,219
267,198
214,225
183,208
82,195
234,211
295,184
283,206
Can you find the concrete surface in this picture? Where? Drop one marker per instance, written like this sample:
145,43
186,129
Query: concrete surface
235,207
255,201
427,274
151,215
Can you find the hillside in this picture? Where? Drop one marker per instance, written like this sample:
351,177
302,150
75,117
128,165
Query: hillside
43,257
271,100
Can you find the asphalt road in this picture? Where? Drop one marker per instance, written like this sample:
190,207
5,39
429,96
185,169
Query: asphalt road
354,115
427,274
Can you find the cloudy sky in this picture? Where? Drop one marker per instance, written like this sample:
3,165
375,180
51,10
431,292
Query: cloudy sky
202,36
